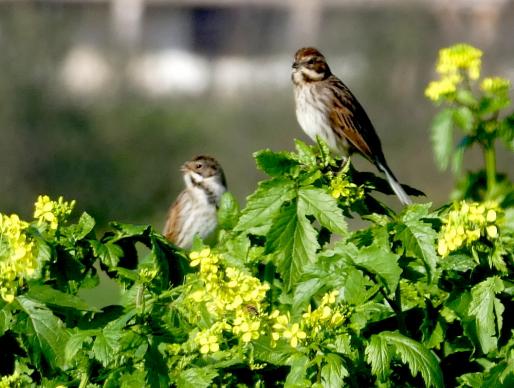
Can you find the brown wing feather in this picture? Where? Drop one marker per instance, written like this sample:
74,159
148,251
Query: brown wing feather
349,120
174,221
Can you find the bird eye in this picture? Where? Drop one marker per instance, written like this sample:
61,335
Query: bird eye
311,61
199,165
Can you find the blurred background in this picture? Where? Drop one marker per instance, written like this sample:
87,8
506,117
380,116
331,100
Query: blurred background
102,100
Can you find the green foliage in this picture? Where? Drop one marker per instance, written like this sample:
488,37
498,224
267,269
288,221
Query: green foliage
473,108
287,295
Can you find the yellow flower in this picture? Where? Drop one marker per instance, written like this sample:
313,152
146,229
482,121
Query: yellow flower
18,259
445,87
466,223
247,328
209,344
491,216
341,187
460,57
52,212
495,85
492,231
295,335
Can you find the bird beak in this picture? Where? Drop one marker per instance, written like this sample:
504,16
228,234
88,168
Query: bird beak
295,65
185,167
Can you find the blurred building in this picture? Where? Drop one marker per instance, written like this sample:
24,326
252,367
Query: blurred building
190,47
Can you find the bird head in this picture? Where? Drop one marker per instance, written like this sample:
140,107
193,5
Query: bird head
309,66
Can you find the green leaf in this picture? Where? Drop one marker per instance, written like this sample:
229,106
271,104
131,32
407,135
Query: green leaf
228,211
487,311
463,118
275,164
196,377
320,204
297,375
442,137
305,154
380,350
47,334
379,356
52,297
106,345
264,204
130,230
378,261
108,253
304,292
292,240
5,319
85,226
277,355
76,343
418,237
333,372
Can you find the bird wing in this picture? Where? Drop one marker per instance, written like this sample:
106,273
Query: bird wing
174,221
350,121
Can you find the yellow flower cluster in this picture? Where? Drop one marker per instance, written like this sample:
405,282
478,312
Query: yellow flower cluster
209,339
327,314
453,62
52,212
227,289
17,256
229,294
445,87
460,57
281,327
465,223
340,187
246,326
495,85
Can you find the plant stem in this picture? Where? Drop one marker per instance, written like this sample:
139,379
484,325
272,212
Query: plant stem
490,165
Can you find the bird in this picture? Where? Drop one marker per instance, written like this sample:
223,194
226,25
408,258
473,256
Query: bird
326,107
194,212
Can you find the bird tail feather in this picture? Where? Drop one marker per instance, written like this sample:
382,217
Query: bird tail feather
395,185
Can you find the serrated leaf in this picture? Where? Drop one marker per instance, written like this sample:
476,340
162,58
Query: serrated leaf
419,359
277,355
320,204
85,226
292,240
297,375
304,292
108,253
379,356
264,204
463,118
418,237
130,230
305,154
5,319
333,372
52,297
48,334
106,345
487,311
196,377
381,263
442,137
228,211
76,343
275,164
354,290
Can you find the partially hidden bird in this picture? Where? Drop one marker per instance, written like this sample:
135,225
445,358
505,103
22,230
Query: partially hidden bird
194,212
325,107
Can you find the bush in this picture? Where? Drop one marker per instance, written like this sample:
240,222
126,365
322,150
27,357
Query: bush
288,295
